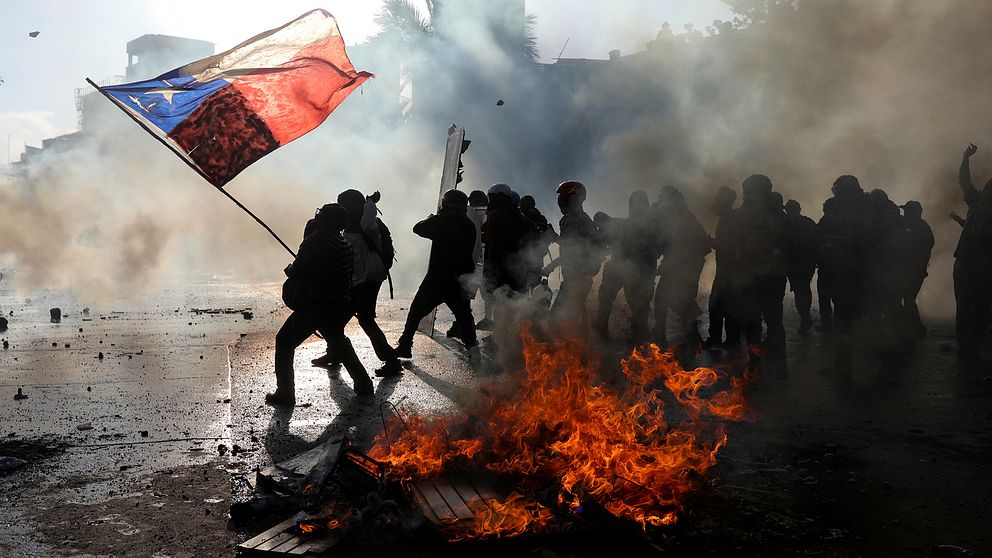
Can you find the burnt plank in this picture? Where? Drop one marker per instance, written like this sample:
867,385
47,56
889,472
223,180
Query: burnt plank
289,545
275,541
266,535
469,494
313,547
454,501
421,501
485,491
435,501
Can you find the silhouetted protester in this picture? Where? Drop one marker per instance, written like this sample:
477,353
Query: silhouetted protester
373,247
775,311
684,245
825,267
889,264
319,293
478,203
752,238
847,234
922,240
536,247
722,204
973,264
581,254
633,244
504,237
452,237
803,251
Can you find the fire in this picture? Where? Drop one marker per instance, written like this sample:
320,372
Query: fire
615,446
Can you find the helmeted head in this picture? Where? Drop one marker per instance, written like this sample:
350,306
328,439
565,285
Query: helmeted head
528,202
500,194
793,208
478,199
331,217
846,187
515,197
454,200
757,190
571,195
601,219
638,204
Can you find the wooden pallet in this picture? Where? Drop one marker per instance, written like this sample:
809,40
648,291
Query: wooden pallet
282,540
446,502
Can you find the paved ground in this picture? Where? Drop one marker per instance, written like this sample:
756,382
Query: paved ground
872,464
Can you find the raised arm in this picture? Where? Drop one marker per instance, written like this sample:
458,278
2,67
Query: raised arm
964,176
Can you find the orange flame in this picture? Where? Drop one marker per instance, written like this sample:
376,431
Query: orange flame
613,446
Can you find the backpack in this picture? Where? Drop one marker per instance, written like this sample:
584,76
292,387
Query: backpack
388,251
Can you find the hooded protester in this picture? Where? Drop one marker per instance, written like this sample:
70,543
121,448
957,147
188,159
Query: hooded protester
825,268
320,298
973,264
452,237
363,230
634,253
803,251
684,245
723,204
581,253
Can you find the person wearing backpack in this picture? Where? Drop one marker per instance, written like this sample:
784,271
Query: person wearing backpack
364,230
318,290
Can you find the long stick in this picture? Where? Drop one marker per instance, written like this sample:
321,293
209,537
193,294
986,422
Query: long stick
186,160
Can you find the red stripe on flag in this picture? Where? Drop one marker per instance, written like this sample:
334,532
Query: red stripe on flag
296,97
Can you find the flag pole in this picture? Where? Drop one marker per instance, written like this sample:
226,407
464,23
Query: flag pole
186,160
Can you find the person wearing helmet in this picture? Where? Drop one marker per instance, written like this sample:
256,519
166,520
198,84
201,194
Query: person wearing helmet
505,235
847,235
452,237
319,293
752,241
581,249
478,202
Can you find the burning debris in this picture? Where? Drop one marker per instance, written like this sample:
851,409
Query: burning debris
560,427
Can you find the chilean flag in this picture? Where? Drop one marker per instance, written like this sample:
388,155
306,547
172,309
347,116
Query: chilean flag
224,112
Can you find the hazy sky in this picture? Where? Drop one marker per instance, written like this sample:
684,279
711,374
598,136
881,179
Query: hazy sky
86,38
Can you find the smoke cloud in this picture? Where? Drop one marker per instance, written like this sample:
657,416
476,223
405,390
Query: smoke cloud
889,91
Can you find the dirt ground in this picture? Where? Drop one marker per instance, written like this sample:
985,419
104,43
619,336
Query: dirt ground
124,453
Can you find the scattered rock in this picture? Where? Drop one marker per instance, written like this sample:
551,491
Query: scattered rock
6,345
100,356
247,314
89,388
8,463
56,314
3,324
86,311
84,426
144,433
19,395
499,103
34,34
221,450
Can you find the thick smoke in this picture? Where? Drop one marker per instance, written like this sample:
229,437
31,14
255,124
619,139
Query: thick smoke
889,91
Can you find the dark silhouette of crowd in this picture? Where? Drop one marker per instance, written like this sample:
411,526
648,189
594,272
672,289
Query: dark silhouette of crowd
868,254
